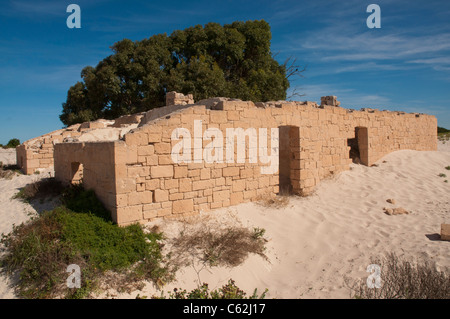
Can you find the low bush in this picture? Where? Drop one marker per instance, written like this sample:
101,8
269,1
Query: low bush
228,291
8,171
442,130
13,143
44,188
402,279
78,199
218,246
41,249
81,232
34,251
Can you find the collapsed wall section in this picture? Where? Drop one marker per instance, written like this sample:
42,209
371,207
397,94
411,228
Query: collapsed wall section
38,153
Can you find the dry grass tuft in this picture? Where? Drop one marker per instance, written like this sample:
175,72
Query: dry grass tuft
273,201
403,279
214,244
8,171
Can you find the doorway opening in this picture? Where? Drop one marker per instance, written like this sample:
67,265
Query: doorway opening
359,146
77,172
289,145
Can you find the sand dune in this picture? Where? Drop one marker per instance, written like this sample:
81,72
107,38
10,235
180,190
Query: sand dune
316,242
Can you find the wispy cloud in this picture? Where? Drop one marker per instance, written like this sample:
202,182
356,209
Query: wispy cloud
336,45
349,97
35,8
437,63
341,41
48,77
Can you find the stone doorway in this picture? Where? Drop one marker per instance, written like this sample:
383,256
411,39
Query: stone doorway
289,168
359,146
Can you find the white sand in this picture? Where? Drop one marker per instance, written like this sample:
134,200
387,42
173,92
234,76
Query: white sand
7,156
13,211
318,241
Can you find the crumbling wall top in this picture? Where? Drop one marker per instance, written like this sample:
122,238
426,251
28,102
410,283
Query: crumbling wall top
330,100
175,98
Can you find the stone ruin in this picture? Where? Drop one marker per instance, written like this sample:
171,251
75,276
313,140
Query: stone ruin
129,162
38,153
174,98
329,100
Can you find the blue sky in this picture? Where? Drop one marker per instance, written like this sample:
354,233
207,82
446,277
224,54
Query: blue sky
404,65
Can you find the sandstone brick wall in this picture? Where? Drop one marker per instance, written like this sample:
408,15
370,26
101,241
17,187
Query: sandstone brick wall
149,184
91,162
38,153
137,179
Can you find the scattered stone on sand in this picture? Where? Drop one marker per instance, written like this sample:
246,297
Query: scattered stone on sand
391,201
395,211
445,232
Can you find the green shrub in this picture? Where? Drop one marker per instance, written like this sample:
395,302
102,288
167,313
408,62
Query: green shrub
77,199
13,143
105,245
228,291
34,251
44,188
41,249
442,130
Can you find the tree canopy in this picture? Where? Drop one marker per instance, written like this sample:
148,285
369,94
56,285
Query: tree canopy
13,143
233,60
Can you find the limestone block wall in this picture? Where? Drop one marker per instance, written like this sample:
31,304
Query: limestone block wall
150,184
93,163
137,178
37,153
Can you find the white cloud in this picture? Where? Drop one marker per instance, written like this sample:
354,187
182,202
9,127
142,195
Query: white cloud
437,63
331,45
347,40
38,8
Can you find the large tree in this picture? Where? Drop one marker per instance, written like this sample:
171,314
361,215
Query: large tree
233,60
